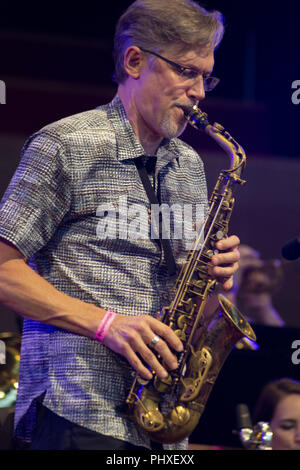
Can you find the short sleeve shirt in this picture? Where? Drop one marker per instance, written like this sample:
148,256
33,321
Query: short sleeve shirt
77,210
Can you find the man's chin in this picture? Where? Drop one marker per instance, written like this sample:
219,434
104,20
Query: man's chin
172,128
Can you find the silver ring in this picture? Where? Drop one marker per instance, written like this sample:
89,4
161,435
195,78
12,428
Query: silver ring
155,340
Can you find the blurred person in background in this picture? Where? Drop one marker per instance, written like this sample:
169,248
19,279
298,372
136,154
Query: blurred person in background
254,286
279,405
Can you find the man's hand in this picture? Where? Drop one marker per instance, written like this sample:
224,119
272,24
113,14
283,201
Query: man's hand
131,337
225,264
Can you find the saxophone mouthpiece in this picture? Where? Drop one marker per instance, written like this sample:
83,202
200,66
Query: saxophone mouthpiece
196,117
187,109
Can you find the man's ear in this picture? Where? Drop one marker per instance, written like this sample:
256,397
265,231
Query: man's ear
134,61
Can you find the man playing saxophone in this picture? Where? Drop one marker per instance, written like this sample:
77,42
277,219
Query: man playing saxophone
90,304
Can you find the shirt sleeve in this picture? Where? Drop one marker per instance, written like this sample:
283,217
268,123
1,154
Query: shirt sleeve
38,196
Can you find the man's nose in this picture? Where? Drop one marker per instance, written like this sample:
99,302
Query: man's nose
196,91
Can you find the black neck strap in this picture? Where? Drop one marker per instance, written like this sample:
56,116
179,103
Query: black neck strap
165,243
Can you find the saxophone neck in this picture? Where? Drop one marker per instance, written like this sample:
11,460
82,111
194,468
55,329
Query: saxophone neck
233,149
236,153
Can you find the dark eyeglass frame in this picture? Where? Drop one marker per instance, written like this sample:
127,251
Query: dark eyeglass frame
188,73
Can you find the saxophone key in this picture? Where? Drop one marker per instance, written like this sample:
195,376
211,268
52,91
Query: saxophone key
210,253
142,381
220,128
152,421
219,235
181,335
181,321
162,385
188,305
180,415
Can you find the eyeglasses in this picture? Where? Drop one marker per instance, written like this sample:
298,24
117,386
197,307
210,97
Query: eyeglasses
188,73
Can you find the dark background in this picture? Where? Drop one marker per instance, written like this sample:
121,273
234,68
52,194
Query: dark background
257,62
56,60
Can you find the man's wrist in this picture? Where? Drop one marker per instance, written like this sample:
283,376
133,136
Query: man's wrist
104,325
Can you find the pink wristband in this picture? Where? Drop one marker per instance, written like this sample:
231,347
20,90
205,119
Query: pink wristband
104,325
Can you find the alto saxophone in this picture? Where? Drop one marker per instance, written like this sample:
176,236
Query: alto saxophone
168,410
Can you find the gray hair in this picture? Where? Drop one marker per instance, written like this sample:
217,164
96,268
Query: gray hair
157,24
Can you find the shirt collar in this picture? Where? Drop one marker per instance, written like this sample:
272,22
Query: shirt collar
128,145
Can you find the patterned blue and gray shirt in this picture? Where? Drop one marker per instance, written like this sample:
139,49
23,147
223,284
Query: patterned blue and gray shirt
74,209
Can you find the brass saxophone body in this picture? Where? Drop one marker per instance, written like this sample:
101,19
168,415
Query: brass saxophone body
168,410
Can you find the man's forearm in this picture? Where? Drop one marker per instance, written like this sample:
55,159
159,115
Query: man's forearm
25,292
